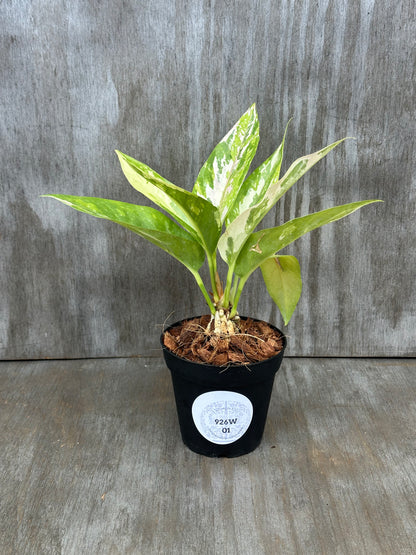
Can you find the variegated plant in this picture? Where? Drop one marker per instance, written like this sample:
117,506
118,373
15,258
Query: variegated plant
223,198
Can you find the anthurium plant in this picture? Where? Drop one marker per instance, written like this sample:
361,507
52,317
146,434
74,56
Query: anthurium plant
220,215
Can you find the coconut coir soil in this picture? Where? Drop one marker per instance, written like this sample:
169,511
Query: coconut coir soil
255,341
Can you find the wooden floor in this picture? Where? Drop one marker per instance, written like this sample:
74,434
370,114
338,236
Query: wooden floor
91,462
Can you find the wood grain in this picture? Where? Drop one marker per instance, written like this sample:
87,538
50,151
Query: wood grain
92,462
164,82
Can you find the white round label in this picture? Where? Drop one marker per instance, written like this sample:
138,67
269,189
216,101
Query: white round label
222,417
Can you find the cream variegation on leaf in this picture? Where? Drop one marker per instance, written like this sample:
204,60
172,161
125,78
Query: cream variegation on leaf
223,197
221,176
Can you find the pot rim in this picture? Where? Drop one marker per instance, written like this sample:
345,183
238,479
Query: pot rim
225,367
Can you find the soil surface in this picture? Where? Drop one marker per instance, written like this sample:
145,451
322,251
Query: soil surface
255,341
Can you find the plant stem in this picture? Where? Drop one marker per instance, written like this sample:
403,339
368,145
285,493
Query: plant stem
234,288
228,285
212,264
237,296
204,291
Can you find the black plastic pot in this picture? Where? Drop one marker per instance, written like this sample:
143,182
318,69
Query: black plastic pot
222,412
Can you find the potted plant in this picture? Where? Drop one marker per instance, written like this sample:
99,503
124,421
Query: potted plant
223,365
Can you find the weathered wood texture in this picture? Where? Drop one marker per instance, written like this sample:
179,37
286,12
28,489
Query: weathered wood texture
92,462
163,81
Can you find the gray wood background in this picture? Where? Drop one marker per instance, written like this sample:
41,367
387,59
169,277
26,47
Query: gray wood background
163,81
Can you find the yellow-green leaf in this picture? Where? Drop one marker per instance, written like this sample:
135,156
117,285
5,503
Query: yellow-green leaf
146,222
237,233
196,214
257,184
265,244
282,277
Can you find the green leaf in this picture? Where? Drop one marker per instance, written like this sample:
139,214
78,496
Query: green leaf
282,277
146,222
256,185
222,174
235,236
197,215
262,245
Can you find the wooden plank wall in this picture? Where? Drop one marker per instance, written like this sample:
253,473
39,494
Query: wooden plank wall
163,81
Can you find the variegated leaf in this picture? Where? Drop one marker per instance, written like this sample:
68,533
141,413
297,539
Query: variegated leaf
222,174
146,222
262,245
196,214
256,185
282,277
235,236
